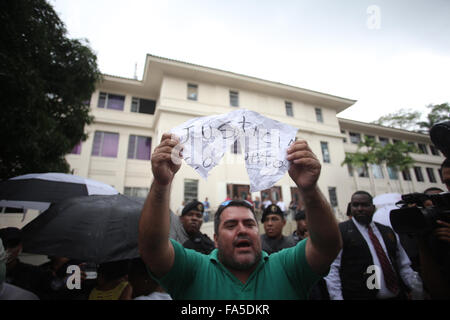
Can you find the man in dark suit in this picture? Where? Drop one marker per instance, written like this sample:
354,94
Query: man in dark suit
372,264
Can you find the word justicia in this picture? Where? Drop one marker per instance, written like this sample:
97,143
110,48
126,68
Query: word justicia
207,145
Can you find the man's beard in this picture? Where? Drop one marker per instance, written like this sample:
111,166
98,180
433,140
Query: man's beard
235,265
363,219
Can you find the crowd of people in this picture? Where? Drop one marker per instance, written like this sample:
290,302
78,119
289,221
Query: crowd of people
321,260
116,280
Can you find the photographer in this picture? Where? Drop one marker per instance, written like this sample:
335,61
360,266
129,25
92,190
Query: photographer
426,223
421,219
435,274
445,169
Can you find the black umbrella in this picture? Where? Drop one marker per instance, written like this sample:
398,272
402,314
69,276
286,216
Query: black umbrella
39,190
88,228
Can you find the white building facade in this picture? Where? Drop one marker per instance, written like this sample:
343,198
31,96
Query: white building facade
130,117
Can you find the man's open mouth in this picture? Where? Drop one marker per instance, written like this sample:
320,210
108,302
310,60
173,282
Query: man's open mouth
243,244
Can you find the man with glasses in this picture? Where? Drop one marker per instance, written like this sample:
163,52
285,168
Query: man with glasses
238,268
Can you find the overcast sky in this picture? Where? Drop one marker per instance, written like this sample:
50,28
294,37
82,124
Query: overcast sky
387,54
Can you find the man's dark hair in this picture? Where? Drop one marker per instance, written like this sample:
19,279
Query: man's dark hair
232,203
11,237
300,215
364,193
137,267
349,210
114,270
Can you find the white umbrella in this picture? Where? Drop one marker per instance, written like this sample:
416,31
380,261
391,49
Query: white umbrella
39,190
385,203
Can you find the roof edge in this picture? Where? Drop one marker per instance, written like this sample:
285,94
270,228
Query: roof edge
268,82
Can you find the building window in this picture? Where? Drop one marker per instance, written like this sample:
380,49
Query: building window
406,175
234,98
139,147
192,91
319,116
377,171
12,210
419,175
422,148
289,110
143,105
392,173
136,192
190,190
76,149
396,141
369,137
355,138
105,144
363,172
434,150
344,139
325,152
430,173
383,141
412,144
111,101
333,196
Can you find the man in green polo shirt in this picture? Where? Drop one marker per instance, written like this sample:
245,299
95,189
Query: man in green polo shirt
238,268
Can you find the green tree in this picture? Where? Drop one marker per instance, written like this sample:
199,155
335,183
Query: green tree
405,119
369,151
438,113
408,119
46,82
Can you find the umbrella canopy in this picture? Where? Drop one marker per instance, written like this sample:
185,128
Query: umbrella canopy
385,203
39,190
88,228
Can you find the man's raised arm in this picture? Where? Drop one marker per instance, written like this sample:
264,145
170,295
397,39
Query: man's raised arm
324,240
154,224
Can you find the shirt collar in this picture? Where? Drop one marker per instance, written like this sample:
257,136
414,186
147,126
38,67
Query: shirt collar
213,256
371,224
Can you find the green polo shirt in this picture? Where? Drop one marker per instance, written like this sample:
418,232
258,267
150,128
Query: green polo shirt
284,275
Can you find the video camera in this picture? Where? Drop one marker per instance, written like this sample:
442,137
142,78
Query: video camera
414,218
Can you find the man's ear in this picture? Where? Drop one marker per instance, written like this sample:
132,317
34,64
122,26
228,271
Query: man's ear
215,241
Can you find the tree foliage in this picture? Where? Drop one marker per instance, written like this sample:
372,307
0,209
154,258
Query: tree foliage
46,80
369,151
402,119
438,113
408,119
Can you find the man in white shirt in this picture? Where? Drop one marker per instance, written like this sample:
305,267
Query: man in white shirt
372,264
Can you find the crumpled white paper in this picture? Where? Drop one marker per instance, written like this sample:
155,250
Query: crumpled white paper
264,143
